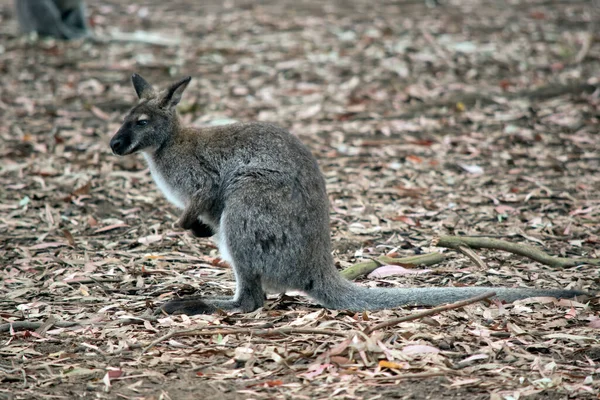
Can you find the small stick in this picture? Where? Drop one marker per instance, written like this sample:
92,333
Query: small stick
432,311
26,325
413,376
256,331
472,256
30,326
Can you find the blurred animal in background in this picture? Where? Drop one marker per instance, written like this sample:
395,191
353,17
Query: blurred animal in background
62,19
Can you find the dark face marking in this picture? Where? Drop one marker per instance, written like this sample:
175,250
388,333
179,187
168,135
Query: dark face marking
141,129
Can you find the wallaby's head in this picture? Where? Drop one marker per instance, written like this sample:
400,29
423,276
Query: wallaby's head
152,121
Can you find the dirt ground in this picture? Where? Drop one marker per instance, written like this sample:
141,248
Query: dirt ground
428,118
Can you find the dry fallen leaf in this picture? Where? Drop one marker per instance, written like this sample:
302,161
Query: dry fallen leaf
391,270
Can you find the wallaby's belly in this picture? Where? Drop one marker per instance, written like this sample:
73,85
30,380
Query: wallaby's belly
273,287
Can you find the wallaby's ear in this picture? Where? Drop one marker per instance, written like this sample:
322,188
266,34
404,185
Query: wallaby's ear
142,87
172,95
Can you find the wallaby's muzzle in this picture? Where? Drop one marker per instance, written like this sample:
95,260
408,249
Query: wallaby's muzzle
120,143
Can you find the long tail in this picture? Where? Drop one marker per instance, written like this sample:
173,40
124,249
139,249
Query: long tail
345,295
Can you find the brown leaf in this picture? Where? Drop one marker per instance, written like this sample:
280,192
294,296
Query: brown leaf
69,237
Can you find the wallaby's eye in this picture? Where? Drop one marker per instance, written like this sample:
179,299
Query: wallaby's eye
142,122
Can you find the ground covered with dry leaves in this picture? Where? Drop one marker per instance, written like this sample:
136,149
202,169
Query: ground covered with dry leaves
459,117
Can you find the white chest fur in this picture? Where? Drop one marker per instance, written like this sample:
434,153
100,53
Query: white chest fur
170,193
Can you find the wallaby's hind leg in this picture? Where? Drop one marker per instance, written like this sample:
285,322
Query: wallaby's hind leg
249,296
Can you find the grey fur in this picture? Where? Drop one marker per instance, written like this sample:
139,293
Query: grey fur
63,19
261,191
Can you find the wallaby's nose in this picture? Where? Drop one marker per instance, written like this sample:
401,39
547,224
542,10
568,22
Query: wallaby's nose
118,145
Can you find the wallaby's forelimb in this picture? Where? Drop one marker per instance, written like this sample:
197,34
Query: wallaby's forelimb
190,218
200,229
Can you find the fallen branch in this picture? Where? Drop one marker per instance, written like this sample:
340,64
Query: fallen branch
456,242
253,331
431,311
367,267
31,326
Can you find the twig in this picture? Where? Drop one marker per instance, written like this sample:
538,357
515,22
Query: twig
472,256
26,325
431,311
45,326
92,280
367,267
455,242
256,331
413,376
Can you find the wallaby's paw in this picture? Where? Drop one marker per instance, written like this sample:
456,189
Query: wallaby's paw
198,228
188,306
201,230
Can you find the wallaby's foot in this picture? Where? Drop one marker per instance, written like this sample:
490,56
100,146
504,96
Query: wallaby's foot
192,306
195,305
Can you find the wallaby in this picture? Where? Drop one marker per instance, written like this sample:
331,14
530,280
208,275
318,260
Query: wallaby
260,191
62,19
